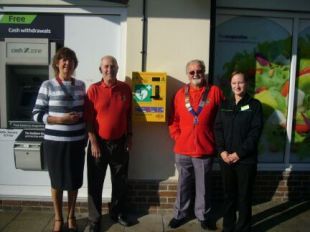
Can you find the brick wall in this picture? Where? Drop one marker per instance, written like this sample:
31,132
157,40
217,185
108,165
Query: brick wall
159,196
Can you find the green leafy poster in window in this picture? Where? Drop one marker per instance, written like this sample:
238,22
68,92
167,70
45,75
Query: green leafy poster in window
260,47
301,133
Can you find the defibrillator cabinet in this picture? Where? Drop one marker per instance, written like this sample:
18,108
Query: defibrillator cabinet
149,96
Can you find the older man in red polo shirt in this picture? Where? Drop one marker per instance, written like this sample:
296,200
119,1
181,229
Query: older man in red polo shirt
191,127
108,116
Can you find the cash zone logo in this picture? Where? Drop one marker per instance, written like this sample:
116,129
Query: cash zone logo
26,50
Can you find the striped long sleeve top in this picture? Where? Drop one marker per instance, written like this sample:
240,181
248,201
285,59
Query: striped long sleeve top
55,99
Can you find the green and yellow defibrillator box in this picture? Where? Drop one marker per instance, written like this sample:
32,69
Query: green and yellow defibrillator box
149,96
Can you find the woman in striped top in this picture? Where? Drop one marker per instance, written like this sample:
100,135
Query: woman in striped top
60,106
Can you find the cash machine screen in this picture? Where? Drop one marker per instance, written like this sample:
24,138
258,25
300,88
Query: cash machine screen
23,83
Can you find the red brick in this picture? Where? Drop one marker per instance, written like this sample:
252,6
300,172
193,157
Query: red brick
11,203
172,187
166,206
147,193
163,187
282,189
282,183
171,199
167,194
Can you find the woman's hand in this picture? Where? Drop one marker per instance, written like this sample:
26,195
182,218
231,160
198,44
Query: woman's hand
70,118
225,157
233,157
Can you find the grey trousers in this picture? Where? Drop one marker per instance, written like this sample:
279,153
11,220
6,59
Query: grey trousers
194,176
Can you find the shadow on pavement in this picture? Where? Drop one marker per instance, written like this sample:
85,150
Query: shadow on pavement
274,216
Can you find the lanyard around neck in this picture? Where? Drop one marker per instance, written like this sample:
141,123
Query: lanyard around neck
59,80
64,89
202,102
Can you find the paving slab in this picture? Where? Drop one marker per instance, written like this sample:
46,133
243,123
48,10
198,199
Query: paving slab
81,220
149,223
33,221
191,226
7,216
106,224
267,217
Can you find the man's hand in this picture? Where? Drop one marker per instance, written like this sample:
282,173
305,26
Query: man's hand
128,144
95,150
94,146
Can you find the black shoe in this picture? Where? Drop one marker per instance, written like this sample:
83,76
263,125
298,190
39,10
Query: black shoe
208,225
175,223
121,219
93,227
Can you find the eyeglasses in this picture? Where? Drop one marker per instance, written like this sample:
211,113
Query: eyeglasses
197,72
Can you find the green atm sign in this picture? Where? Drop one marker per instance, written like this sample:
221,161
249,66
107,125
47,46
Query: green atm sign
38,25
17,19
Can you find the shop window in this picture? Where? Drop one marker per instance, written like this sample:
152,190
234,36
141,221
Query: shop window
300,149
261,47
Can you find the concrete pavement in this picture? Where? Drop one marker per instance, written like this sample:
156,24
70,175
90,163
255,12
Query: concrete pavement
268,216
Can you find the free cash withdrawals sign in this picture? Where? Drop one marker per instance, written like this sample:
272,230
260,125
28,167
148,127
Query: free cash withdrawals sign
16,25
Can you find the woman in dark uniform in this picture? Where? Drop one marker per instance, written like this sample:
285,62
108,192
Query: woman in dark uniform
60,106
238,127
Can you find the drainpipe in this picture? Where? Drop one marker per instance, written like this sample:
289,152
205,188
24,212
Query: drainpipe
144,36
212,41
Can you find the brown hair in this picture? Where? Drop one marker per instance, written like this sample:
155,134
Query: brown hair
64,53
238,72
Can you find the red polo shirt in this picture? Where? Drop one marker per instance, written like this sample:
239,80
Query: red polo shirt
190,139
109,109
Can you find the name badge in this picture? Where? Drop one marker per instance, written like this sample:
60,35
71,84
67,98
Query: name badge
246,107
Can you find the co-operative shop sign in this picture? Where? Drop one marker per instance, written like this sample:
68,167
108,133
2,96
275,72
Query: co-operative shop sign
13,25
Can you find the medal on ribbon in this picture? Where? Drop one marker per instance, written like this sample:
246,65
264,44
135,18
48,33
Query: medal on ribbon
202,102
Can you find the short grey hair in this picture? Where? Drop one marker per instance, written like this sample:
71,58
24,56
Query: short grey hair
108,57
196,61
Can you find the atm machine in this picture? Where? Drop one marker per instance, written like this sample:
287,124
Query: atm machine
24,65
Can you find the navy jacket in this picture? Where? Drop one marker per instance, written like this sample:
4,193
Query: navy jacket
238,128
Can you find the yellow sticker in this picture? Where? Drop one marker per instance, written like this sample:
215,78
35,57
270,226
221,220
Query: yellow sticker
246,107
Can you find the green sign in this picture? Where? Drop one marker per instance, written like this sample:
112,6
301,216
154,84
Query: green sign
40,25
143,93
17,19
